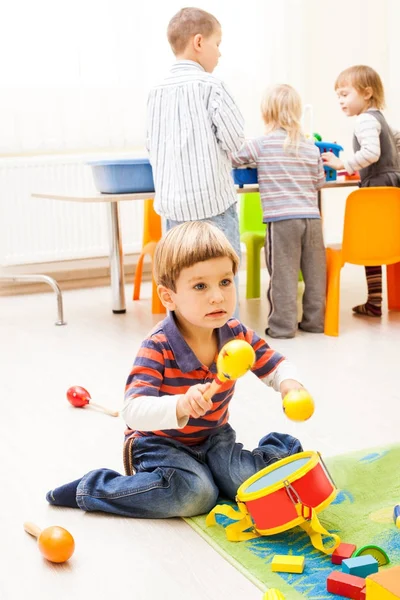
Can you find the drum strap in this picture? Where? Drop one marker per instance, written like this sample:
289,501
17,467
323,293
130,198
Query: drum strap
243,528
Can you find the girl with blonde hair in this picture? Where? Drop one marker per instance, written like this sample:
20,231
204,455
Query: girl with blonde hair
361,94
290,173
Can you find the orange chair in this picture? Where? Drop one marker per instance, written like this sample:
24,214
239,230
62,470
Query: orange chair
151,235
371,236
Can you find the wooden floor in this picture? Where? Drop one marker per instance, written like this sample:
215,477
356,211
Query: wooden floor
45,442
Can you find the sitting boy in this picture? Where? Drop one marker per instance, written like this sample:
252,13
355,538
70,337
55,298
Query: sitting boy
180,451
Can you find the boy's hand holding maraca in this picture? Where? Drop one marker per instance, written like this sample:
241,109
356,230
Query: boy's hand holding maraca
297,403
193,404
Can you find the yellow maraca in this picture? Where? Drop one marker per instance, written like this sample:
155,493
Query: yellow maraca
298,405
273,594
234,360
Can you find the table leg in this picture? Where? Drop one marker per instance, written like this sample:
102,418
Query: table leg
116,261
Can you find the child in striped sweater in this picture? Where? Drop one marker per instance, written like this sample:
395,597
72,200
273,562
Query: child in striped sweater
180,452
290,173
361,94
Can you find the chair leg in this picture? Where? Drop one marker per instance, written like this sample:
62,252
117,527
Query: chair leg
332,295
253,270
138,277
157,307
393,286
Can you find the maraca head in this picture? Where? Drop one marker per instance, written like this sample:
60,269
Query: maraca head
56,544
78,396
298,405
235,359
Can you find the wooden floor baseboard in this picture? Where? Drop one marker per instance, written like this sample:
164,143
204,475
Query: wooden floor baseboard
71,274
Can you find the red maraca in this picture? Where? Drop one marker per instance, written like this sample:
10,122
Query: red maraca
79,397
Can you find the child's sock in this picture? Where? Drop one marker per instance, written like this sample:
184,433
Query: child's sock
373,305
65,495
368,309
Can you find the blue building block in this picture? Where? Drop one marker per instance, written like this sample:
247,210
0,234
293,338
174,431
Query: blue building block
396,515
361,566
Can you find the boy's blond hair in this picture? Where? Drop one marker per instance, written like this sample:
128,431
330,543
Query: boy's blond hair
281,109
187,244
361,77
187,23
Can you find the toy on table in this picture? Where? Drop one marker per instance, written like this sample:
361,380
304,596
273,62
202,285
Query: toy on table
79,397
396,515
342,584
298,405
55,543
362,566
330,174
234,360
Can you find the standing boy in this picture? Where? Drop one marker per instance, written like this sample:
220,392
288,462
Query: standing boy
193,126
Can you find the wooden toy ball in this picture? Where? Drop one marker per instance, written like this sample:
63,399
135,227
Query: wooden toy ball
273,594
298,405
55,543
234,360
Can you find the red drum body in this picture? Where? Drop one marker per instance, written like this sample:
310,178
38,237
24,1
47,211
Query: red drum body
280,496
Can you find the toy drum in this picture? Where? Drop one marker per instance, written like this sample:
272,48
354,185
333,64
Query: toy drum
288,493
273,496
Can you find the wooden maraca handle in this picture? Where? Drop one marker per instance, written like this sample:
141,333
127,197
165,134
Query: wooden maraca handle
112,413
32,529
213,389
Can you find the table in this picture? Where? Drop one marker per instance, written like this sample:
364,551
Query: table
337,183
116,250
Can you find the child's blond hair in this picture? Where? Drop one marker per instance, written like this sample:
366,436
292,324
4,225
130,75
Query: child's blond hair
281,109
187,23
187,244
361,77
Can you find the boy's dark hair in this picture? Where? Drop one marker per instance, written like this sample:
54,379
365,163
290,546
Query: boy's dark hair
187,23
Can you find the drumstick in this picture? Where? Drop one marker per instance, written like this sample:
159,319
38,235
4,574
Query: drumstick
234,360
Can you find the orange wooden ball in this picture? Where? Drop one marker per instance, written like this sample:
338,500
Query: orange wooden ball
56,544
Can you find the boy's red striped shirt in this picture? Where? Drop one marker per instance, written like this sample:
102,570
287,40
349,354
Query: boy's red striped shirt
166,365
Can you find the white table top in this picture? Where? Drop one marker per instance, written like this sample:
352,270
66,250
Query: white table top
98,197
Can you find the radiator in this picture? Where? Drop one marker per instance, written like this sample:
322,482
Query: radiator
34,230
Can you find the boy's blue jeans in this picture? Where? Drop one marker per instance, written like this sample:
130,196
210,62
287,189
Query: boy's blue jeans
175,480
228,222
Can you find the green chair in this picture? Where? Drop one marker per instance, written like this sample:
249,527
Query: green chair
252,234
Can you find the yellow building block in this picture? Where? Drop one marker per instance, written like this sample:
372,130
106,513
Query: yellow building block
384,585
273,594
288,564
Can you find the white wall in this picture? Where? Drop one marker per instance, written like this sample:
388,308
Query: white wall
75,75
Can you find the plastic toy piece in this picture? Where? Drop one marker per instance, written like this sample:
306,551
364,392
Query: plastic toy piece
342,584
288,564
55,543
234,360
363,595
362,566
379,554
343,551
384,585
79,397
273,594
396,515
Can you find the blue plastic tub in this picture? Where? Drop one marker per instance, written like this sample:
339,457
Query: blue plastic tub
245,176
123,176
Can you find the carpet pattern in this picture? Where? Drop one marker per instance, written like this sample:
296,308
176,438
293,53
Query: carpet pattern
369,484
